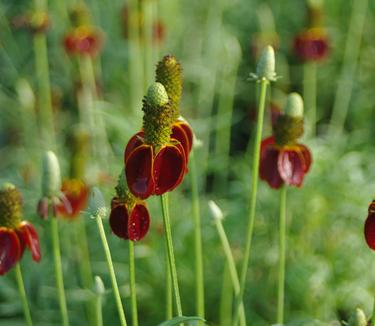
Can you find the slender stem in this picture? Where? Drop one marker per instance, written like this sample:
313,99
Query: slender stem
231,266
168,289
309,94
112,274
21,288
349,67
170,251
58,271
199,277
133,291
253,196
373,315
226,301
99,313
282,251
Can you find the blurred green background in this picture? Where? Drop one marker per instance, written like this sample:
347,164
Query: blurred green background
329,267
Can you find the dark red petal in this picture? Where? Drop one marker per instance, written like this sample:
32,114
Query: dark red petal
10,249
265,143
138,172
180,136
291,167
29,237
133,143
139,222
306,157
370,230
188,131
268,169
169,169
118,220
311,46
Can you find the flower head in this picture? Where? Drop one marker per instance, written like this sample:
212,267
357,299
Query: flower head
282,159
129,218
83,40
15,234
370,226
311,44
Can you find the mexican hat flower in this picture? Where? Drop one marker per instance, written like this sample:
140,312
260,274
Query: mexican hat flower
129,218
15,234
155,163
51,185
76,192
370,226
83,40
282,159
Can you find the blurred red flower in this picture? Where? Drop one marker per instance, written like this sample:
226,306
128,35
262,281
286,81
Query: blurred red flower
311,44
370,226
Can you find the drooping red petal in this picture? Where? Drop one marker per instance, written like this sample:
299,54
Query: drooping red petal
29,237
118,220
138,171
188,131
133,143
291,167
180,136
169,169
370,230
268,169
10,249
139,222
306,156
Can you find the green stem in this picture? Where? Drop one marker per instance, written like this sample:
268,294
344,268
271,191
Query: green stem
99,313
170,251
21,288
309,95
58,271
112,274
226,300
199,277
231,266
133,292
253,196
168,289
44,91
349,67
282,251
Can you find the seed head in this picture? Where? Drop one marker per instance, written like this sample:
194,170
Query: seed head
266,64
294,106
51,178
10,206
96,206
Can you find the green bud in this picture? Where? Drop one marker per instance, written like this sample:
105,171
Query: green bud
316,4
99,288
157,95
216,212
51,178
294,106
266,64
96,206
358,318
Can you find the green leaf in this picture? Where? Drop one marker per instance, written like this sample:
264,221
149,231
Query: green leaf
179,320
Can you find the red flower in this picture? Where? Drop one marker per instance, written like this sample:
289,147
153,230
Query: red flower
370,226
311,44
129,221
83,40
76,192
13,243
283,164
152,171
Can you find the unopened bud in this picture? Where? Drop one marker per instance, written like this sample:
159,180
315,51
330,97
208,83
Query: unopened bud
316,4
51,178
157,95
99,288
358,318
216,212
96,206
294,106
266,64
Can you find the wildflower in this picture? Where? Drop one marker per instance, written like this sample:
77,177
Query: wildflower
156,157
370,226
76,192
83,40
51,184
15,234
282,159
